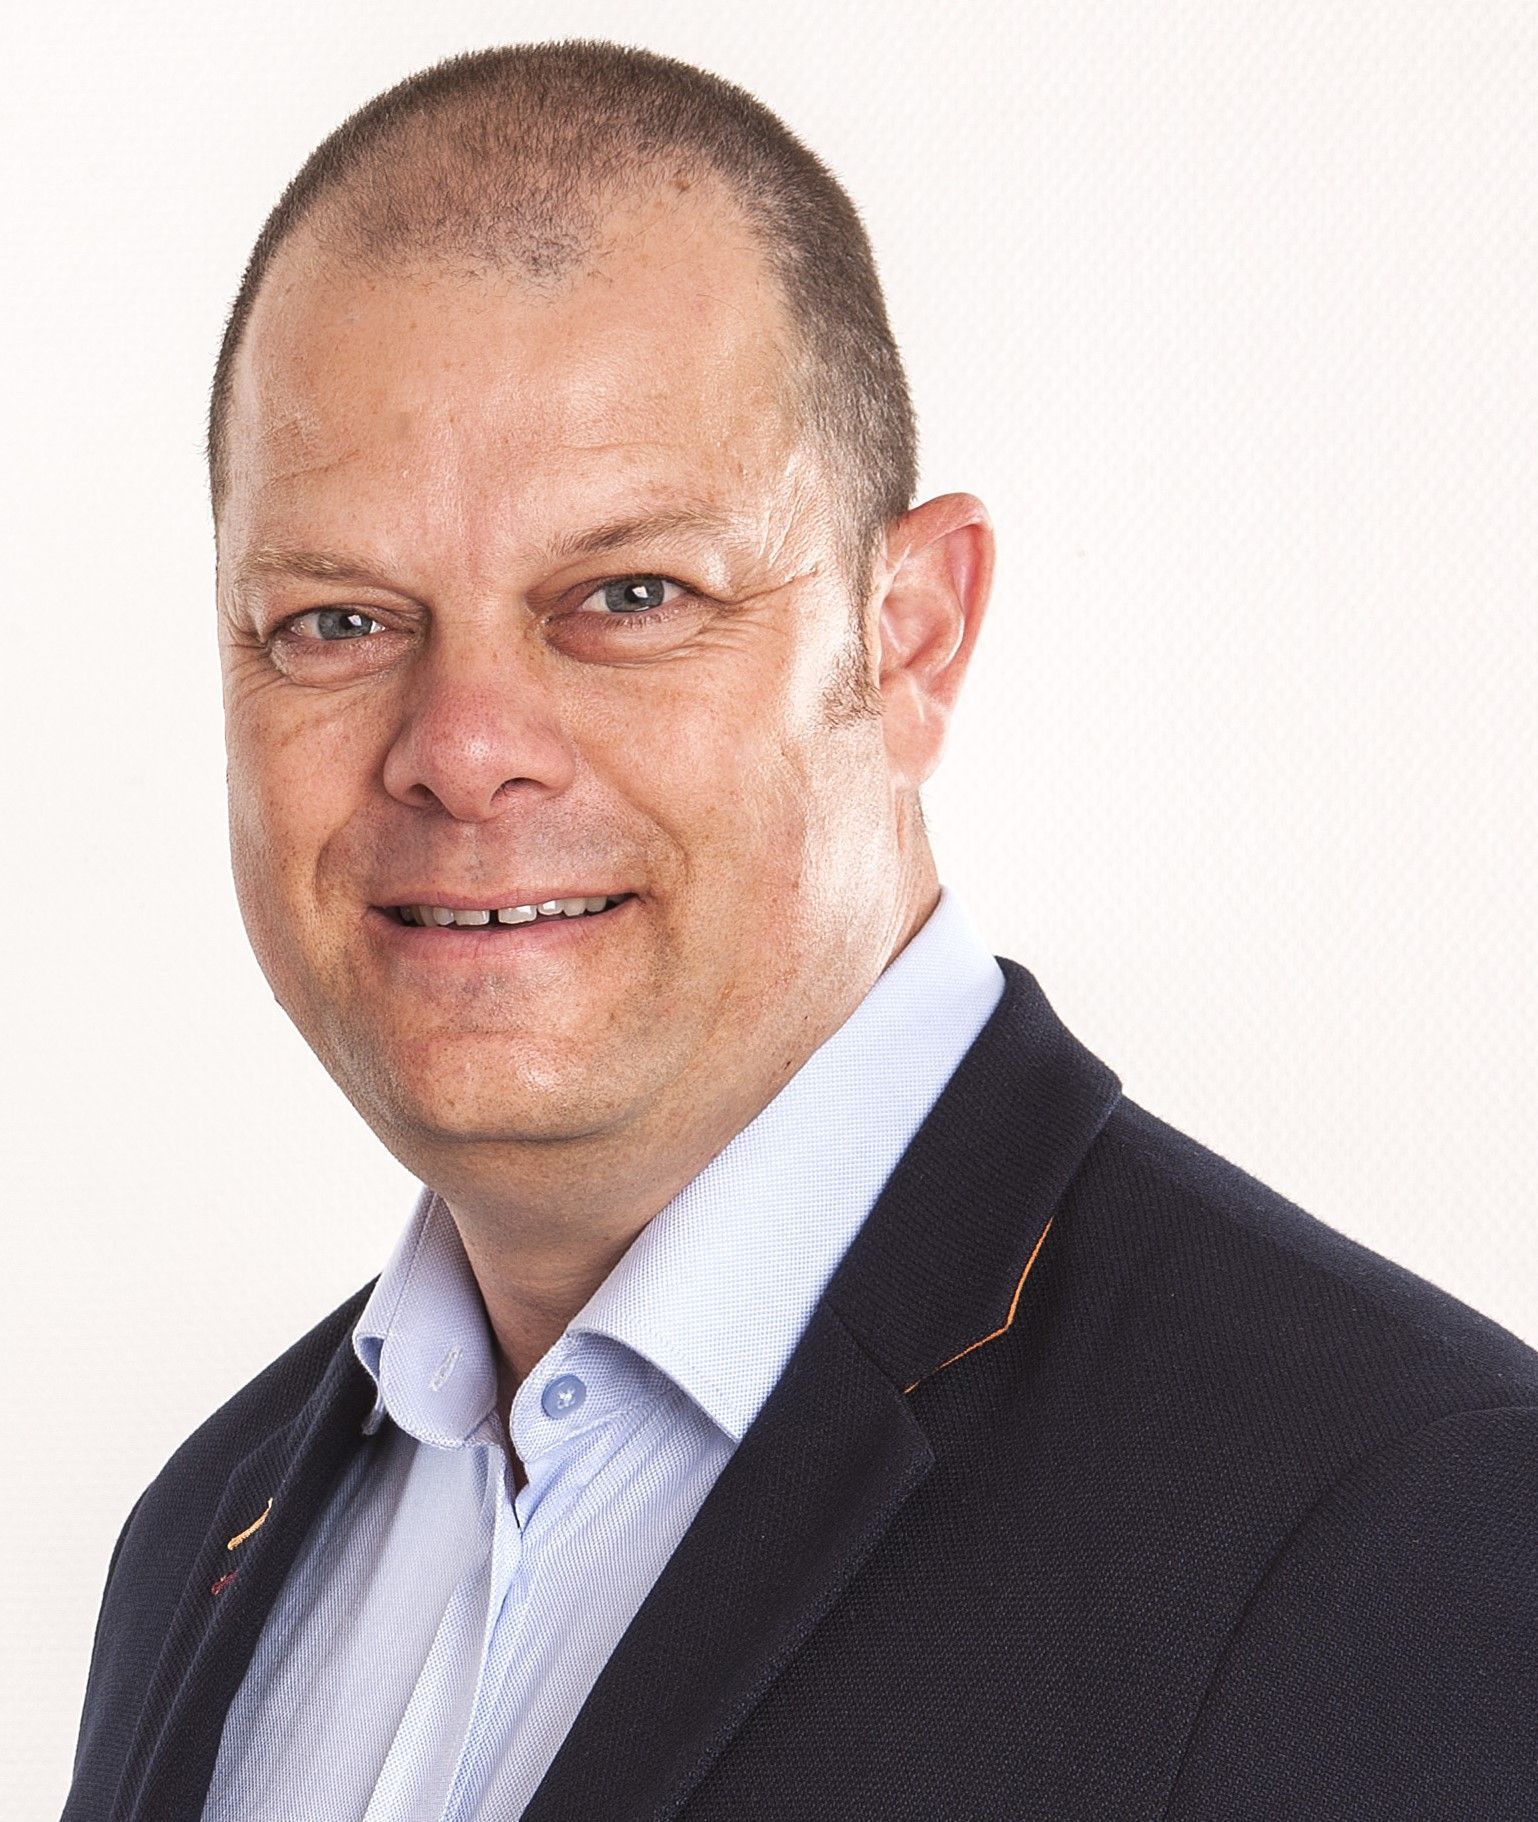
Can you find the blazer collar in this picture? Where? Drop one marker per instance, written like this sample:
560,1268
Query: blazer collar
939,1266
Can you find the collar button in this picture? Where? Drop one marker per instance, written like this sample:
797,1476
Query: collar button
562,1396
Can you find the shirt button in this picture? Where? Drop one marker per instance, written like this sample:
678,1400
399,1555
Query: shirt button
562,1396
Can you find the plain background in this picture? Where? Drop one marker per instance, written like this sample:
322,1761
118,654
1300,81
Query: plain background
1225,310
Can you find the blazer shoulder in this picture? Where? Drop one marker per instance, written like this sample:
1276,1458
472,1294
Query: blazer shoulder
1280,1284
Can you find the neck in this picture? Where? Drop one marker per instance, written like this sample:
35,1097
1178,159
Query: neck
544,1227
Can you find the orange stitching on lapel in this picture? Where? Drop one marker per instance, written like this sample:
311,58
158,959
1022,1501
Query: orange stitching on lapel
1013,1305
240,1536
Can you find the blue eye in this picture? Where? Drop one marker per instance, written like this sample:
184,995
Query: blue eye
633,594
335,623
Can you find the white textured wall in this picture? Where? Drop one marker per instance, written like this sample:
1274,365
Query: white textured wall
1226,310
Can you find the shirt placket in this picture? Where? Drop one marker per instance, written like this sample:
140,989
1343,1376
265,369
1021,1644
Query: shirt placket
510,1564
425,1768
527,1528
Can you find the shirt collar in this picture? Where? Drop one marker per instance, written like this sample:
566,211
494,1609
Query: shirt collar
717,1288
423,1337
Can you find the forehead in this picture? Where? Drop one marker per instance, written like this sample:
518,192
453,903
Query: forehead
661,367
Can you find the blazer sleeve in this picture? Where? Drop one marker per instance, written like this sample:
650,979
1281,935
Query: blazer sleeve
1386,1668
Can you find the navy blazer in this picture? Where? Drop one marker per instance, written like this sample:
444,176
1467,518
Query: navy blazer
1105,1485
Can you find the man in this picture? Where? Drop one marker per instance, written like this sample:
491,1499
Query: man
807,1387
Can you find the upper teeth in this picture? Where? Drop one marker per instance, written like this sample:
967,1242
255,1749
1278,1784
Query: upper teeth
443,915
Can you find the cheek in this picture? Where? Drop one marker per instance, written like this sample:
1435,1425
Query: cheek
293,779
719,769
284,808
742,766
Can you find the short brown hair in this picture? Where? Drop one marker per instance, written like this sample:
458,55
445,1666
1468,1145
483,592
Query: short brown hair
504,156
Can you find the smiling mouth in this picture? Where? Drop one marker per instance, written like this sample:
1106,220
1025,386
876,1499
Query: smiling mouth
447,917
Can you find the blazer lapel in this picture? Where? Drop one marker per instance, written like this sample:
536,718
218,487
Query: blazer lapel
213,1634
810,1489
936,1270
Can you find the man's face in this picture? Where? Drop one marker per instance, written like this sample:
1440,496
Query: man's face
586,636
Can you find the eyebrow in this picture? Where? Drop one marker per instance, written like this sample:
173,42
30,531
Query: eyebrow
638,527
314,565
336,566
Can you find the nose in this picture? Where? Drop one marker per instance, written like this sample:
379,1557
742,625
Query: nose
479,720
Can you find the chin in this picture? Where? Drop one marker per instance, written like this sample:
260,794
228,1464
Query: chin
466,1090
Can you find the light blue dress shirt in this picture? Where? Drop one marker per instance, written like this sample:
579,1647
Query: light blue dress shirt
441,1629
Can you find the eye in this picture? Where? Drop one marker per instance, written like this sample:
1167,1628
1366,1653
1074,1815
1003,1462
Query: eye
328,625
631,595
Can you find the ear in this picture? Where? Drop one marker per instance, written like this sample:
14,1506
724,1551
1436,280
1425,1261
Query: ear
936,580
